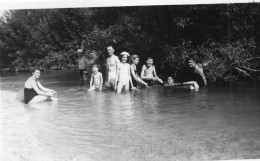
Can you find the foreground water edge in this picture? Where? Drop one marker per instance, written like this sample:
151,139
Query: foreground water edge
150,124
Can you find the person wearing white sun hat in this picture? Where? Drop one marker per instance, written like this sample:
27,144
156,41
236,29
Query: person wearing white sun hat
124,77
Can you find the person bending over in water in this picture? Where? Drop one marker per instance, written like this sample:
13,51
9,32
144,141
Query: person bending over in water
112,68
34,92
193,85
124,77
198,69
135,78
148,73
96,80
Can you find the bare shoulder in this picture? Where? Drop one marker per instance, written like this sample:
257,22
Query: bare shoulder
29,82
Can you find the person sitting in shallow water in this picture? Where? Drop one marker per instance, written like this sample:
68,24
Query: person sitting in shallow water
193,85
34,92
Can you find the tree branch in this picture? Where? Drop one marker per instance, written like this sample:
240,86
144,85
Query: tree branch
243,71
253,70
252,58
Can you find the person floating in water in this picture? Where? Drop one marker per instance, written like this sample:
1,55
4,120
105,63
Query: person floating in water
193,85
198,69
96,80
112,68
124,77
148,73
34,92
82,62
135,78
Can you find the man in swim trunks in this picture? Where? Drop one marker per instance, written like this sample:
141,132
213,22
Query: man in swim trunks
112,68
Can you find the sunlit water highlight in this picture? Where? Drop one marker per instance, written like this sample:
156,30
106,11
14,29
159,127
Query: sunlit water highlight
149,124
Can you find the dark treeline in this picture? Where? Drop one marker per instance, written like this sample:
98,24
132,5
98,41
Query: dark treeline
224,37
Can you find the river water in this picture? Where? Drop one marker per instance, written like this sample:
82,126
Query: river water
149,124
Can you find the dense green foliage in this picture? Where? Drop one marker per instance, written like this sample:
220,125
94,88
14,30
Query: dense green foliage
221,36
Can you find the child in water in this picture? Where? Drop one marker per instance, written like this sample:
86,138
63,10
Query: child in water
137,81
124,74
193,85
96,80
148,73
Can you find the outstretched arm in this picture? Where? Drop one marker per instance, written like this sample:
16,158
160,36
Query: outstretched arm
43,88
40,91
138,79
157,78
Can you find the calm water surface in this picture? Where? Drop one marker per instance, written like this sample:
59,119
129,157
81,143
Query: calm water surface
149,124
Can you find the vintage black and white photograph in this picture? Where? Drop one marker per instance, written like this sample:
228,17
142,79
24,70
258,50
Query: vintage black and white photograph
131,83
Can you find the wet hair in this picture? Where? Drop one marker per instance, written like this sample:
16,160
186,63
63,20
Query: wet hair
109,45
95,66
148,58
33,69
133,57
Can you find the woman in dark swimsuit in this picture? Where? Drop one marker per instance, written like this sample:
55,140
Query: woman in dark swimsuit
34,92
135,78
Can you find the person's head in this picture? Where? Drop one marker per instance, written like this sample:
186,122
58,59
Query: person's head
149,61
80,52
124,56
191,63
94,68
135,59
110,50
35,73
93,55
169,80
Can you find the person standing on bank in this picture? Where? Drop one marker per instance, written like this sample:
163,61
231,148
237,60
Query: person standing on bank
82,62
112,68
34,92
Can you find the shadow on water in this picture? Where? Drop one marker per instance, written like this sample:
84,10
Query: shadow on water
148,124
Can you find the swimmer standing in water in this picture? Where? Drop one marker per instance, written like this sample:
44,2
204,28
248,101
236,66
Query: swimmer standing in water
124,76
112,68
34,92
148,73
96,80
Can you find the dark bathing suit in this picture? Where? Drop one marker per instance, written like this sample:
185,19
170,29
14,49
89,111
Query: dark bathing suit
133,80
29,94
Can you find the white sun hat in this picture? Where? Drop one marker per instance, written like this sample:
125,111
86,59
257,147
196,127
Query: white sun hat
79,50
125,53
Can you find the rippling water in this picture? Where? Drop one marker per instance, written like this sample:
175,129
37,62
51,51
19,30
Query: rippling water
149,124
